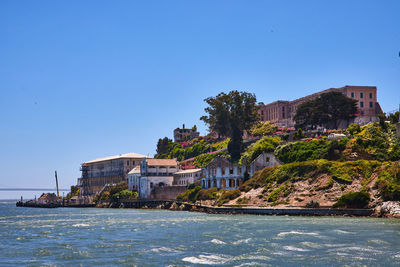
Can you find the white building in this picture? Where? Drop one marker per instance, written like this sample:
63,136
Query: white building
155,173
133,179
187,177
223,174
262,161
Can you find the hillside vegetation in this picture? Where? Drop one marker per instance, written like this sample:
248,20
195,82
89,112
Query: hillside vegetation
359,170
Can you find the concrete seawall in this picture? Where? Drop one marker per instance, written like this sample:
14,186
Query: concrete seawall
175,205
167,204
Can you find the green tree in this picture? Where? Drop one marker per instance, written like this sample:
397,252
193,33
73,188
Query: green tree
393,117
164,147
263,128
327,110
230,115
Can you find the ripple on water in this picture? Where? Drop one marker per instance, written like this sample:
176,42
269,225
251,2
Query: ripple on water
284,234
312,244
163,250
241,241
293,248
211,259
80,225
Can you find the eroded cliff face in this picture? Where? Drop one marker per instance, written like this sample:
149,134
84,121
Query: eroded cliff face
323,182
322,189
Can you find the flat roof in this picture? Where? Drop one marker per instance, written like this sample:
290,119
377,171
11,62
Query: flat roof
120,156
187,171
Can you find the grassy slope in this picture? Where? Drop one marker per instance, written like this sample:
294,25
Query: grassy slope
309,176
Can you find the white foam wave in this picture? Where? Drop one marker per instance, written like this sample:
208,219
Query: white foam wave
342,232
250,264
283,234
292,248
165,249
80,225
311,244
207,259
217,241
241,241
378,241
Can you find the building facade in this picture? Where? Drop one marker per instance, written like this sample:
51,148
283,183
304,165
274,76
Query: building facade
187,177
282,113
134,179
185,134
223,174
103,171
262,161
155,174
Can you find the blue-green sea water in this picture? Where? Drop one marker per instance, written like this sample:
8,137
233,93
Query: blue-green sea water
128,237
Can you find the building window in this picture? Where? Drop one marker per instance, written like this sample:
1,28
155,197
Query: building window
127,163
361,104
362,112
230,170
262,112
267,159
352,94
370,95
361,95
239,170
371,104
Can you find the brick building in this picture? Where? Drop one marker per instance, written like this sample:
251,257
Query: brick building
282,112
185,134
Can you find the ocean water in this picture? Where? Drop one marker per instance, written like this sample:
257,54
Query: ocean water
128,237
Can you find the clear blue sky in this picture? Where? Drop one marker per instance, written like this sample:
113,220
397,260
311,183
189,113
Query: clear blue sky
86,79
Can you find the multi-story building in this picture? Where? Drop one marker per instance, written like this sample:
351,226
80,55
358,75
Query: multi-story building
134,179
154,174
185,134
109,170
282,112
187,177
223,174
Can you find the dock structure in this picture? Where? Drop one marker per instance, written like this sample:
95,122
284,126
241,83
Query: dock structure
176,205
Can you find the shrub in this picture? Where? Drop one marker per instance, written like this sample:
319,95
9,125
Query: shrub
208,194
388,182
283,190
265,144
263,128
243,200
357,200
203,160
189,195
306,150
353,129
228,195
312,204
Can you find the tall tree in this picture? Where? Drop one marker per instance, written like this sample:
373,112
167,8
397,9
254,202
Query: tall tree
164,146
230,115
327,110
